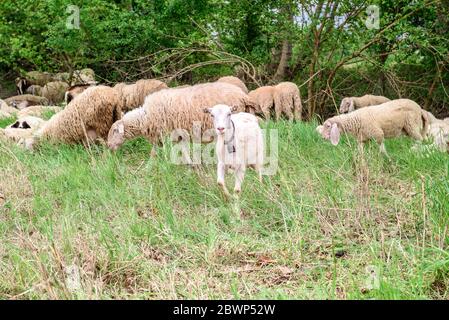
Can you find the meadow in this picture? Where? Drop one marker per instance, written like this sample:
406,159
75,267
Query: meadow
333,223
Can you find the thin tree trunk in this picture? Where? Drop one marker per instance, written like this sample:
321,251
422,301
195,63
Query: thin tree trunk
286,55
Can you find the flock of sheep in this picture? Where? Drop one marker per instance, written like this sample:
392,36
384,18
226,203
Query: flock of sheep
148,108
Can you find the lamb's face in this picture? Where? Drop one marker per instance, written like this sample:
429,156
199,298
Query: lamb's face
330,131
116,135
346,105
221,115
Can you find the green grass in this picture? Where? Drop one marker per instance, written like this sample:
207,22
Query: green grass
133,226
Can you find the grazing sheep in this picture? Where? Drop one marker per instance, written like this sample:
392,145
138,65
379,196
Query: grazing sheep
350,104
84,119
34,89
287,100
235,81
170,109
263,100
387,120
75,91
32,78
54,91
133,95
239,144
26,100
38,111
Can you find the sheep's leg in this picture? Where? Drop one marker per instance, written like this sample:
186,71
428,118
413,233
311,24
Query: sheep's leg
289,113
266,113
239,176
221,169
297,108
278,110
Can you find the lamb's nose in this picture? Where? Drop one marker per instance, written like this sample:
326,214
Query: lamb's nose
220,129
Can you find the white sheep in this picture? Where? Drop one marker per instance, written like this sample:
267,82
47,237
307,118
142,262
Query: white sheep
239,144
387,120
350,104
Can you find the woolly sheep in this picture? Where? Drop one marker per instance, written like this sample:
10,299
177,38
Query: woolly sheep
263,100
387,120
54,91
170,109
287,100
239,144
235,81
84,119
133,95
350,104
26,100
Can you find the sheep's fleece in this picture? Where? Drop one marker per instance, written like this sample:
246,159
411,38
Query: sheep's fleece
387,120
87,117
170,109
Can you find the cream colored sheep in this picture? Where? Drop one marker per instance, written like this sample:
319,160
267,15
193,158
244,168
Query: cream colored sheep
263,100
235,81
54,91
26,100
239,144
170,109
133,95
387,120
287,100
350,104
84,119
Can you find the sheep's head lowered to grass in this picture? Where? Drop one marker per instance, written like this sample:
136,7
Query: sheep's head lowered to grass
330,131
116,135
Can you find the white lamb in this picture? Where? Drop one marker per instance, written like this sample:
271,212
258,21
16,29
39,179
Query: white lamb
239,144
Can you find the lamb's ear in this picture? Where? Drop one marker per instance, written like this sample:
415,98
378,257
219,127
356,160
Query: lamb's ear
121,128
351,106
335,134
15,125
319,129
25,125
